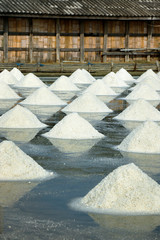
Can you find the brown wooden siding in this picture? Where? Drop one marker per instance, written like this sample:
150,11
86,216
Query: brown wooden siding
36,40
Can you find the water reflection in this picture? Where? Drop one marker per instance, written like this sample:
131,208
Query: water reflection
6,104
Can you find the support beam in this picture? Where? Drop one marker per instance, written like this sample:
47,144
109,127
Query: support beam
82,41
127,39
30,40
105,38
57,40
5,39
149,37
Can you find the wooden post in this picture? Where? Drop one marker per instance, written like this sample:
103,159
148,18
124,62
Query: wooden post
30,40
81,41
105,38
57,40
149,37
127,39
5,39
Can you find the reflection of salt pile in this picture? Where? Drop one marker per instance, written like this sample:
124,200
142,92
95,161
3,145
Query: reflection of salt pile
125,190
43,103
80,78
64,88
143,139
125,76
88,106
137,113
118,85
17,73
16,165
20,117
144,92
7,77
28,84
102,91
73,126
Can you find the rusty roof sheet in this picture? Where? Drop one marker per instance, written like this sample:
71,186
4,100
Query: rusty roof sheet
93,8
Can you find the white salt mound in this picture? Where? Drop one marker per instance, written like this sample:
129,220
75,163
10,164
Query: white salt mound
113,81
148,73
154,83
17,73
20,117
63,83
73,126
144,91
29,81
16,165
143,139
125,190
80,77
6,92
100,88
88,75
86,103
43,96
140,110
7,77
124,75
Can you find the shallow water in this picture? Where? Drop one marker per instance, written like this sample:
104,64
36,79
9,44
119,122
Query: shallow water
41,210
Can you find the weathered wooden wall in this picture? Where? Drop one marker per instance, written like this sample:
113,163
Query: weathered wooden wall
56,40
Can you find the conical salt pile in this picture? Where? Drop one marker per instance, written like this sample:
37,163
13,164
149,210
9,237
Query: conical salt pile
17,73
6,92
80,77
16,165
143,139
73,126
100,88
124,75
43,96
113,81
140,110
144,91
148,73
86,103
7,77
88,75
154,83
125,190
63,83
20,117
29,81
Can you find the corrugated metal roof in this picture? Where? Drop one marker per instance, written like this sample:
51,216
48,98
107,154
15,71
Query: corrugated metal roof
101,8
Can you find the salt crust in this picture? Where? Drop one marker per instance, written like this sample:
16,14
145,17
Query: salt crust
100,88
79,76
154,83
29,80
17,165
87,103
20,117
140,110
143,139
144,91
43,96
124,75
113,81
148,73
7,77
17,73
73,126
6,92
125,190
63,83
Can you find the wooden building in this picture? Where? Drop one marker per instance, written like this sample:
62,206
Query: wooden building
50,31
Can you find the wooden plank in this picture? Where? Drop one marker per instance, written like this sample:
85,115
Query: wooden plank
30,40
5,39
127,39
149,38
82,41
57,40
105,38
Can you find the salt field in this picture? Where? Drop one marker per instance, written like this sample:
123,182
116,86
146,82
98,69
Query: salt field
42,209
